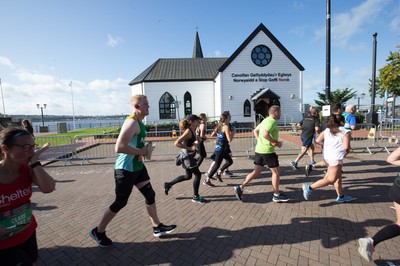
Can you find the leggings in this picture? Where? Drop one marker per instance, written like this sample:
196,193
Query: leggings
202,152
219,156
188,176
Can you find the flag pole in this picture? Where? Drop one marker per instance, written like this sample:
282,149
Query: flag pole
2,99
73,111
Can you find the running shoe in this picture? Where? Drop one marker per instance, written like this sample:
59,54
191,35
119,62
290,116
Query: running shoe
167,187
238,192
199,199
308,170
208,183
282,197
365,248
228,173
162,230
101,239
313,163
306,191
211,177
345,198
218,175
294,165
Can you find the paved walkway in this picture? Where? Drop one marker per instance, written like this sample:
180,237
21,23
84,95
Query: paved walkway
224,231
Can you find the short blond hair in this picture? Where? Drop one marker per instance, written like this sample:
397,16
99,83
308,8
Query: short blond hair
137,98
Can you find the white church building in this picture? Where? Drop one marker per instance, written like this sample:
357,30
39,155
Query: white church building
260,73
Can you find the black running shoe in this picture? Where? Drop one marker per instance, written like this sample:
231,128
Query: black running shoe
167,187
238,192
162,230
101,239
308,170
282,197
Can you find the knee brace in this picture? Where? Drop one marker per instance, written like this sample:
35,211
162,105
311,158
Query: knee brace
149,194
118,204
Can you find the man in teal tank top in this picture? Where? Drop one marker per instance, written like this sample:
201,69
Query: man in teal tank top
129,171
266,134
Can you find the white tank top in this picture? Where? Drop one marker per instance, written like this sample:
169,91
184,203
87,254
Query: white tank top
333,144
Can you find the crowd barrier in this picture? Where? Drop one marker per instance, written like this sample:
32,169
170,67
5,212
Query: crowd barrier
100,146
389,133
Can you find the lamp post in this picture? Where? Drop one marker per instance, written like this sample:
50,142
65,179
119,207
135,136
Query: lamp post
41,109
358,97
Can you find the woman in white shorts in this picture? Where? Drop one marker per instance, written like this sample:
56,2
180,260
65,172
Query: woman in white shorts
336,145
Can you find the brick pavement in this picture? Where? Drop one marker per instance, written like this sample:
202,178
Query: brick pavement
224,231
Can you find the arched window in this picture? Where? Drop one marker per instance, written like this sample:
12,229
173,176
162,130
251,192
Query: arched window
166,106
247,108
188,103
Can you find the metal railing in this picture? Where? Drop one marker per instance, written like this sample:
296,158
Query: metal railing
100,146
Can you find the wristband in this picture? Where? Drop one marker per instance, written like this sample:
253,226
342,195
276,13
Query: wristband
35,164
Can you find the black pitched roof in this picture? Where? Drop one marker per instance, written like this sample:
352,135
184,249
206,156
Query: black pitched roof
180,69
261,27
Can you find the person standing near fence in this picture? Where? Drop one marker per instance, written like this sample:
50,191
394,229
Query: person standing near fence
309,126
222,149
187,143
336,145
129,171
201,132
266,134
366,245
19,169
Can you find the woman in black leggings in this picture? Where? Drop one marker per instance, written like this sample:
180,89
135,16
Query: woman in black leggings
222,151
187,142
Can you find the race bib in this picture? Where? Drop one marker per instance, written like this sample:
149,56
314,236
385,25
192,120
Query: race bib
16,220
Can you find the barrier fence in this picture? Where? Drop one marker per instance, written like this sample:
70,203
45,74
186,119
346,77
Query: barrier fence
101,146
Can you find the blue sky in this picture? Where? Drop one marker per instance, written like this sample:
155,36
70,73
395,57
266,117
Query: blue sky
102,45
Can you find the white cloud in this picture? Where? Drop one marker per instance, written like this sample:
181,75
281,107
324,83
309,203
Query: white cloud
347,24
32,76
5,62
217,53
113,41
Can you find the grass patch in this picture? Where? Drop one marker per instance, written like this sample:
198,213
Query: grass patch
58,139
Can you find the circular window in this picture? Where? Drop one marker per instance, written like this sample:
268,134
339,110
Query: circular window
261,55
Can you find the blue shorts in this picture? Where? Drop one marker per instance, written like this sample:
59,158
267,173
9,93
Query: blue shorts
307,142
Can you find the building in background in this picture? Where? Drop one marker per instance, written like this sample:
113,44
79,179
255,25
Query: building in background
260,73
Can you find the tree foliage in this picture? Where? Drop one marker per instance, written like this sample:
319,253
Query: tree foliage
336,96
389,76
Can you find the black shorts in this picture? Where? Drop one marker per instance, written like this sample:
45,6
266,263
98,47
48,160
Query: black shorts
125,180
394,193
23,254
271,160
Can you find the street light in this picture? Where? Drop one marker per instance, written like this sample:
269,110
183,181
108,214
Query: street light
358,98
41,109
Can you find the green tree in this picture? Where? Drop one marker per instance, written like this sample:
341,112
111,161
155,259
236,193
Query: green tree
389,76
337,96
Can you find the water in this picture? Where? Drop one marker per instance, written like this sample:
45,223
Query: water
79,124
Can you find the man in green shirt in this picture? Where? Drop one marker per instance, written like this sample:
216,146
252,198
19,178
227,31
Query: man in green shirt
266,134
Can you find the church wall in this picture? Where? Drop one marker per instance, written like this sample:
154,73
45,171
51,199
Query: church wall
242,78
202,93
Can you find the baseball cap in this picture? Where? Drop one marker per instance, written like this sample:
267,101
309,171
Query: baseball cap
192,117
